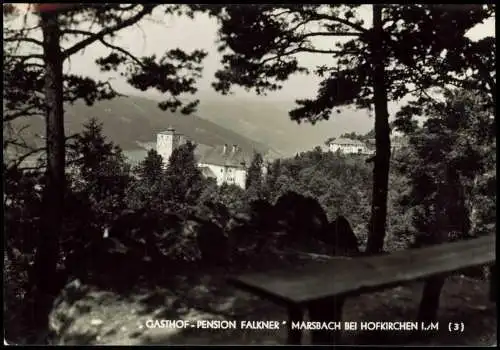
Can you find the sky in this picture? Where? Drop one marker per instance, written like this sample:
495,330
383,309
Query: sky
159,33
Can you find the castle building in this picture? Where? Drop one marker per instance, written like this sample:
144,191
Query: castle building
225,164
348,146
167,141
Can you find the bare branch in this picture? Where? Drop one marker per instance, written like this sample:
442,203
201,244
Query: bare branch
127,7
123,51
77,32
444,7
302,49
27,112
332,52
22,158
147,9
312,34
25,20
16,143
111,46
37,65
24,58
283,12
21,39
319,16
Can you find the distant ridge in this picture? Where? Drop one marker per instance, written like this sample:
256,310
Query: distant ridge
133,122
253,123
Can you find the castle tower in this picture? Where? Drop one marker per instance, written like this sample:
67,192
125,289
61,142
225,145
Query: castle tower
166,142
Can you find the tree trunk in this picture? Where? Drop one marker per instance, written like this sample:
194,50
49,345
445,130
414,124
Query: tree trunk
47,252
382,158
446,195
431,294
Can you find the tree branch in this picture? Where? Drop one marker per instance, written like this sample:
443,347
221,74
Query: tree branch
21,39
443,7
304,50
105,43
22,158
38,65
147,9
123,51
28,112
312,34
332,52
320,16
485,74
287,11
24,58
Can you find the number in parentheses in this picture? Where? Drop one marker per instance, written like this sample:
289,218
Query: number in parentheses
456,327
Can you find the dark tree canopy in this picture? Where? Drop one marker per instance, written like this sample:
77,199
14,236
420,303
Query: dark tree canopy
254,179
184,178
174,73
408,50
261,44
38,86
454,144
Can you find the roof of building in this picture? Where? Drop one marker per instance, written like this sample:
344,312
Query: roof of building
344,141
135,156
207,172
203,154
169,131
230,157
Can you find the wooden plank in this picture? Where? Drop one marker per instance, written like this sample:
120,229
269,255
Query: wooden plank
295,314
337,277
493,283
329,310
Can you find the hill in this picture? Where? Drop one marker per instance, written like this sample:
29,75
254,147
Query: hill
133,122
260,124
268,122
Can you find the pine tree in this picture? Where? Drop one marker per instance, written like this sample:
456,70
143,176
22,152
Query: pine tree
150,169
184,178
272,175
101,172
149,188
39,87
254,180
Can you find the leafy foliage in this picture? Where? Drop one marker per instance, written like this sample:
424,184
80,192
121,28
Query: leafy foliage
446,158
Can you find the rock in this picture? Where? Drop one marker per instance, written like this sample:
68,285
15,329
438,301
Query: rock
136,333
96,322
300,216
340,236
212,243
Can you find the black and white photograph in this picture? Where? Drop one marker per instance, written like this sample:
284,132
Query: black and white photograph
249,174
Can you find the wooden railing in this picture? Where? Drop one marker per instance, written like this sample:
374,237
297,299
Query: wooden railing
321,288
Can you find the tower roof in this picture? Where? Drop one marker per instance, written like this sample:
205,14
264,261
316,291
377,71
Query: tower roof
169,131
